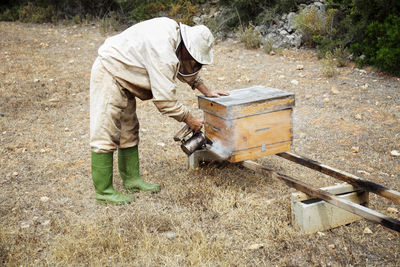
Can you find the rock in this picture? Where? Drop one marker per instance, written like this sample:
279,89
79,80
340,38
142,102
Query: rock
331,246
325,100
392,210
355,149
290,17
42,150
255,246
24,225
221,78
363,172
367,231
295,82
335,91
395,153
46,222
365,86
320,6
161,144
15,174
171,235
299,67
196,20
44,199
358,117
283,32
320,234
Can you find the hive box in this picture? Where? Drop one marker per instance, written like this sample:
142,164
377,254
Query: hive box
250,123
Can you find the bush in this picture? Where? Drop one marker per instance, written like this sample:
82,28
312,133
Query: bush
313,24
36,14
268,46
183,11
369,28
381,47
250,37
328,65
109,23
341,56
10,14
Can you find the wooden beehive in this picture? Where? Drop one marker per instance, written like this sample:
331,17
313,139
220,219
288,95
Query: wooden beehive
251,122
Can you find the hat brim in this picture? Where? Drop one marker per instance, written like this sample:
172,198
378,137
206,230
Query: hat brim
188,37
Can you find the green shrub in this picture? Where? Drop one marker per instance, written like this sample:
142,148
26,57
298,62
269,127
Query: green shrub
183,11
36,14
268,16
77,19
341,56
381,47
268,46
311,23
250,36
329,66
10,14
110,23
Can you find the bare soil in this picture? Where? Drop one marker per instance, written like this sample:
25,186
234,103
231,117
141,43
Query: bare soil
217,215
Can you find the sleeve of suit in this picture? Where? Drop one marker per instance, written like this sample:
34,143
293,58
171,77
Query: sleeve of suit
162,76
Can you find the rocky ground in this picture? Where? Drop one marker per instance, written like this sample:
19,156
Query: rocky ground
217,215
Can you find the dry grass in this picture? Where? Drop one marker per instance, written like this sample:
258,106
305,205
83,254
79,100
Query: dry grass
205,217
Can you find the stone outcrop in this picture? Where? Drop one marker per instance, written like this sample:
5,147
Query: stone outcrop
282,32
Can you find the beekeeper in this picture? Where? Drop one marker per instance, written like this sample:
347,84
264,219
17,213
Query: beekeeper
143,61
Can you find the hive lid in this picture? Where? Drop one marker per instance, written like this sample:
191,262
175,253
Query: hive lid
248,95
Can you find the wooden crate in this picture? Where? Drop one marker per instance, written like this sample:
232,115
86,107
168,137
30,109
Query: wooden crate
251,122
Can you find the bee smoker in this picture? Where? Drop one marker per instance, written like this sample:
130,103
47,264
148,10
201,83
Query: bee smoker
197,141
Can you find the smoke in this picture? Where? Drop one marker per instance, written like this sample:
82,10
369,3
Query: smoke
219,150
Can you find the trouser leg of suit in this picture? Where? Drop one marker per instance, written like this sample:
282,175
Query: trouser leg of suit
113,120
107,103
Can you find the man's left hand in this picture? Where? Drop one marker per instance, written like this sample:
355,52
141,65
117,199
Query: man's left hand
216,93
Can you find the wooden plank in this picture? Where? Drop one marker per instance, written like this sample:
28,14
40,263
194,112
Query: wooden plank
250,132
257,152
344,176
354,208
269,128
247,102
218,129
209,106
260,107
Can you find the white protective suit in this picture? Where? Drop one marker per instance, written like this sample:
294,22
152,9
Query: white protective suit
142,62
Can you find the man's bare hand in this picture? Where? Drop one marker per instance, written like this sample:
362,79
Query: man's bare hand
217,93
194,123
206,92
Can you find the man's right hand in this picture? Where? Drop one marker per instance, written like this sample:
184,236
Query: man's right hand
194,123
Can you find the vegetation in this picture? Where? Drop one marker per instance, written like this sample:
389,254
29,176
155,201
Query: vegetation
381,45
369,29
328,65
250,36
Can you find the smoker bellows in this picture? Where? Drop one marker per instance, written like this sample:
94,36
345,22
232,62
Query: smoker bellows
251,123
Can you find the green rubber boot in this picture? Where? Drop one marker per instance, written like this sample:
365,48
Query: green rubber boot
102,175
128,164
